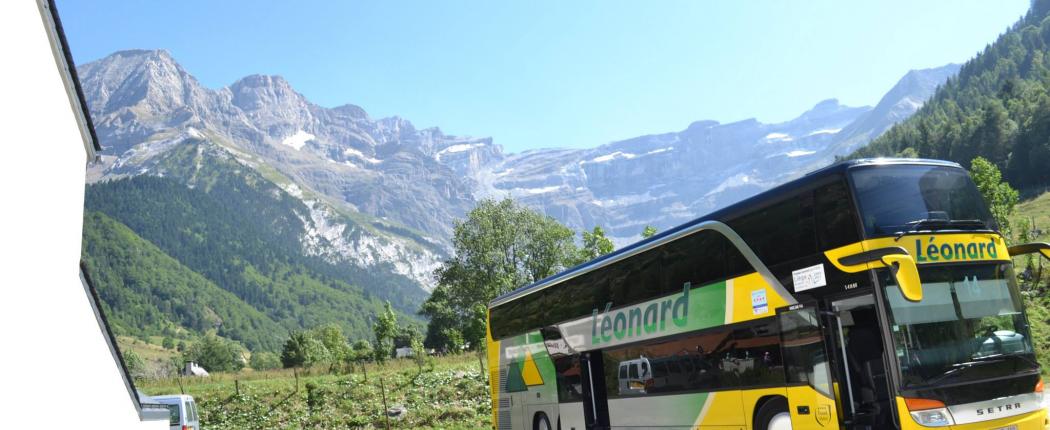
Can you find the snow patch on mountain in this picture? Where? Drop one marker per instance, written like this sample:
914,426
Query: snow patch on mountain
609,157
824,131
661,150
351,152
737,180
459,148
298,140
778,137
541,190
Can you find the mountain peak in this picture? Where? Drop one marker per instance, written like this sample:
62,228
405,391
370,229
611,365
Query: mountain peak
126,78
140,54
272,92
258,81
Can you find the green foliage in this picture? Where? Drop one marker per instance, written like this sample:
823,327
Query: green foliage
216,354
304,350
167,343
145,292
136,367
453,340
648,232
1001,198
500,246
264,360
385,329
595,245
419,353
331,336
998,107
362,351
235,230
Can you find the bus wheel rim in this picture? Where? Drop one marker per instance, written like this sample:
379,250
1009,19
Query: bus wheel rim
780,421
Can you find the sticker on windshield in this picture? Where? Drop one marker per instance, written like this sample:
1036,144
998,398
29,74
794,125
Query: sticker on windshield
759,303
809,278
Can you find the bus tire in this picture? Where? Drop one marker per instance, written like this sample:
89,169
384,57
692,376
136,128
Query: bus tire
541,422
773,415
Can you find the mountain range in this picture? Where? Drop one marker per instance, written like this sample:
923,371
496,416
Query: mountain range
365,207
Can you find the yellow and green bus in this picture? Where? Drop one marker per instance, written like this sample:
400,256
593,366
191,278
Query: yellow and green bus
871,294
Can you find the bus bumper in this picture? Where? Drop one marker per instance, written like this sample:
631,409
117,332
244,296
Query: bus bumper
1030,421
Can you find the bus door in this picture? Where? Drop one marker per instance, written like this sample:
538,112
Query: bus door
811,399
860,362
581,400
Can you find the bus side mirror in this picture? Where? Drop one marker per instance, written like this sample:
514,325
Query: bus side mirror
900,263
907,275
1029,248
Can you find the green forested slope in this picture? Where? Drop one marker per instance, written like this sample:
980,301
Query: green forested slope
146,292
998,107
225,222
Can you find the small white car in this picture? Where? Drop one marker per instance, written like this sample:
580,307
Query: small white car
183,411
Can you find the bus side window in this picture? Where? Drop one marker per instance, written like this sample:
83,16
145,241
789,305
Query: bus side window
698,259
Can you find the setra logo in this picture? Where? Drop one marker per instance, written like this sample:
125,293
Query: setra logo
998,409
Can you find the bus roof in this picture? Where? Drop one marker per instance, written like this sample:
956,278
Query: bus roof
750,203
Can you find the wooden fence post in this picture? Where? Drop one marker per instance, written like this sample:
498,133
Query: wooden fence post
386,409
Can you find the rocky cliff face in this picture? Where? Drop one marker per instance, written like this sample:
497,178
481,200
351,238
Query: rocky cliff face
666,179
383,191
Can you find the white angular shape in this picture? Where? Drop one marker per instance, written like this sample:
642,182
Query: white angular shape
459,148
351,152
298,140
799,153
613,156
825,131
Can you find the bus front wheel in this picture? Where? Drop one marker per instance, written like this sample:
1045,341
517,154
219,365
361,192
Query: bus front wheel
773,415
541,422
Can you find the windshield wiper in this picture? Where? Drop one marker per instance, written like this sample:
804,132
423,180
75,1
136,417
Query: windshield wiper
995,358
1000,357
959,367
914,226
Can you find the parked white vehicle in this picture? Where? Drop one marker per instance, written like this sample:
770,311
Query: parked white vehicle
183,411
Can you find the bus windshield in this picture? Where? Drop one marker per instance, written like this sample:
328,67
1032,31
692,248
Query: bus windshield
911,197
968,327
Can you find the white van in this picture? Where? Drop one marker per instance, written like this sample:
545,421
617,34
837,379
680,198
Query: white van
183,411
635,376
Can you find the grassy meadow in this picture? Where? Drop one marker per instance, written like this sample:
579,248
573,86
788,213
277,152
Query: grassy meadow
450,393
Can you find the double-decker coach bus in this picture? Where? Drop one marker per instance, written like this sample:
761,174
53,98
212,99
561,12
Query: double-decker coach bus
871,294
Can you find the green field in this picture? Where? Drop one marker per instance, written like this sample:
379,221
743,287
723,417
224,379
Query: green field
453,394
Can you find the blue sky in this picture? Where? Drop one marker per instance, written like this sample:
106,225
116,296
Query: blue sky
554,73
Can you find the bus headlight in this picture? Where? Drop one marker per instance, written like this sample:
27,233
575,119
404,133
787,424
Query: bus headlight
930,413
933,417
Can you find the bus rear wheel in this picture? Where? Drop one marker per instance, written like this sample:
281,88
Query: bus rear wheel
541,422
773,415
